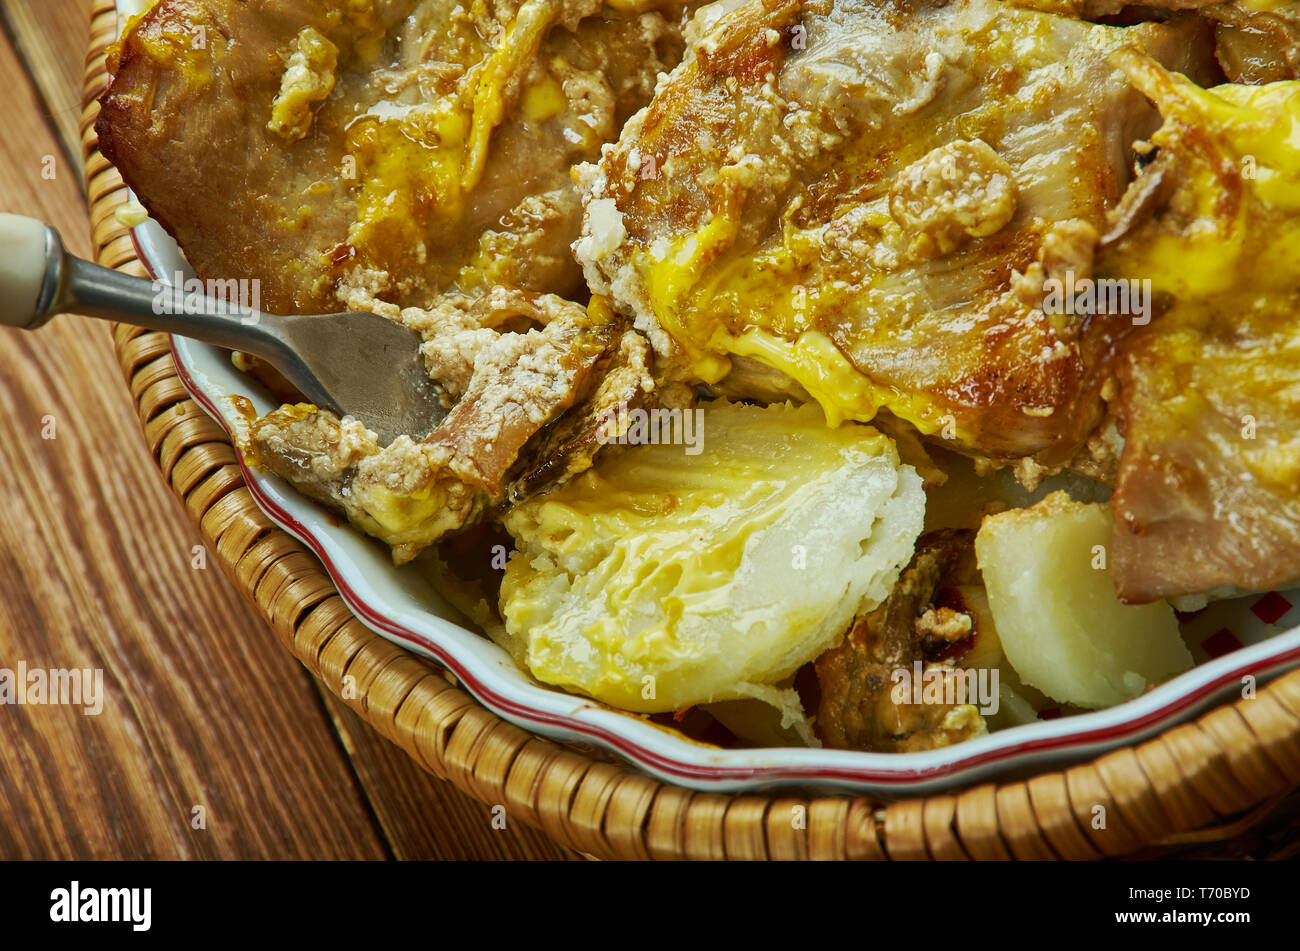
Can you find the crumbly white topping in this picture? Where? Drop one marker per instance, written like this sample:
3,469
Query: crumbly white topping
953,193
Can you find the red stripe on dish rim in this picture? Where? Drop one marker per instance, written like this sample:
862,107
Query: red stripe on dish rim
1110,735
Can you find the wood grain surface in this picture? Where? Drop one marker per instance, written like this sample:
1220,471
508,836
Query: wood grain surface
205,716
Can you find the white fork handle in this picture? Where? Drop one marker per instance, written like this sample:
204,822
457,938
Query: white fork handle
39,279
24,257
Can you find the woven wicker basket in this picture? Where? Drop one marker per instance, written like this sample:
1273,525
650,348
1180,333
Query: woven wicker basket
1227,779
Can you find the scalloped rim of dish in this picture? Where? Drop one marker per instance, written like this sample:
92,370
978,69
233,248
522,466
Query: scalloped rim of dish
400,605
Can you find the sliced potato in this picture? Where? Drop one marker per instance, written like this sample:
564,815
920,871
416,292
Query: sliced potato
1046,569
658,580
1017,702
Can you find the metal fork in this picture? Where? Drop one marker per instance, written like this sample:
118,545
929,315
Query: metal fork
354,363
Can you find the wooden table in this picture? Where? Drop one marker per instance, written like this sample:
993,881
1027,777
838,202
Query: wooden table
203,708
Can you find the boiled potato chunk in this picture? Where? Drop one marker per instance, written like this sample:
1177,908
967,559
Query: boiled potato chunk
1017,703
1046,569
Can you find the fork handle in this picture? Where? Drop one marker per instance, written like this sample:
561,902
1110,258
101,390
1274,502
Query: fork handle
28,282
39,278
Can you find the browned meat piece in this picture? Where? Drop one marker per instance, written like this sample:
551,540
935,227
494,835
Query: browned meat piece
857,709
521,382
403,146
1208,493
622,382
410,494
1257,46
1254,43
868,196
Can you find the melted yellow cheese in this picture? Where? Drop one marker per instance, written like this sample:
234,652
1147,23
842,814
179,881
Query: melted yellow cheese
1246,142
417,164
543,99
718,303
1227,248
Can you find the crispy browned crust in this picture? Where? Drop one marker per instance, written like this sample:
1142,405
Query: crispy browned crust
568,446
509,402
